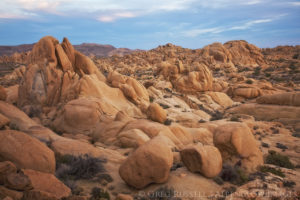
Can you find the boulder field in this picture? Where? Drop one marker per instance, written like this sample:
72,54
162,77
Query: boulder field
169,121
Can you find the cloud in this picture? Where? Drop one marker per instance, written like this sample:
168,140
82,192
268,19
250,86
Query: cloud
215,30
107,10
250,24
197,32
114,16
294,3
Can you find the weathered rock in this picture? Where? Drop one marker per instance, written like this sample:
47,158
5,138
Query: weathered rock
69,50
6,168
131,88
4,192
150,163
196,81
156,113
221,98
206,159
132,138
53,74
63,59
182,134
244,54
12,94
3,94
17,181
85,66
124,197
16,116
3,121
26,152
288,98
45,182
65,146
288,115
38,195
244,91
235,141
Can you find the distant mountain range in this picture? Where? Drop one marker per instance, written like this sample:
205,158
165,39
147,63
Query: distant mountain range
85,48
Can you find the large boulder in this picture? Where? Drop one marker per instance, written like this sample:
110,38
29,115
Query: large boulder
288,115
132,138
5,192
206,159
6,168
244,54
3,121
48,183
196,79
287,98
221,98
235,141
26,152
131,88
156,113
150,163
3,94
244,91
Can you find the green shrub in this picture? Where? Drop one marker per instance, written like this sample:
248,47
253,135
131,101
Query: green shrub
272,170
234,175
235,119
82,167
249,81
99,194
279,160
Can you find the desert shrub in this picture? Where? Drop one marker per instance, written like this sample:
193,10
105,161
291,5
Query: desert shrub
76,190
249,81
292,67
168,122
216,116
218,180
235,175
164,106
296,135
266,145
281,146
272,170
289,184
235,119
176,166
296,56
269,69
267,74
151,99
279,160
257,71
99,194
81,167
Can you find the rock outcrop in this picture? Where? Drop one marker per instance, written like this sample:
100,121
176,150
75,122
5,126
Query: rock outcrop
156,113
288,99
206,159
26,152
235,141
150,163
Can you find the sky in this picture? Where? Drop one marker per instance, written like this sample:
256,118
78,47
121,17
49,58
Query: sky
145,24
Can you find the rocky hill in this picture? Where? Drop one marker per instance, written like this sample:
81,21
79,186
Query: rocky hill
220,122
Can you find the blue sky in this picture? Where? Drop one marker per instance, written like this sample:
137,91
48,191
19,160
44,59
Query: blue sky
145,24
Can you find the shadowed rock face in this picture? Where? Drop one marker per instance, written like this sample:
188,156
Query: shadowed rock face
158,120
